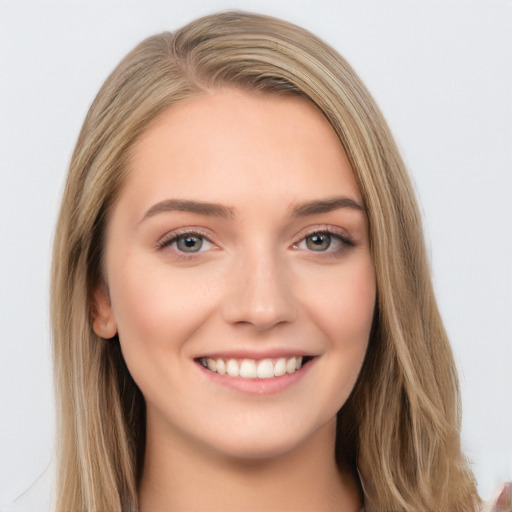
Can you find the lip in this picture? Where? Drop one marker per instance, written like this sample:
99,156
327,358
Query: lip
256,354
257,386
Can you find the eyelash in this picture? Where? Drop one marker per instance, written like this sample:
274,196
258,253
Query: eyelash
344,240
171,238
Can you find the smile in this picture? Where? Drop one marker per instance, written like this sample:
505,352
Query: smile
252,368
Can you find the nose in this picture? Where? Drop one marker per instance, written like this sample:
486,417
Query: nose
260,293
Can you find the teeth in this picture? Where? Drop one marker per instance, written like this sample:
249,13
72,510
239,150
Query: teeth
232,368
280,367
221,366
291,364
251,368
265,369
248,369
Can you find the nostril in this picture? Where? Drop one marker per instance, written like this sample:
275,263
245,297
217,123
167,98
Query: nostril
262,297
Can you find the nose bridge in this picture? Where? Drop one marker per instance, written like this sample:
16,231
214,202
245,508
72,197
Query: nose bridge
261,293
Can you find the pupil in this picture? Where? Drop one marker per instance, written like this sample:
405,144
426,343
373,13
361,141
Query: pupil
318,242
190,243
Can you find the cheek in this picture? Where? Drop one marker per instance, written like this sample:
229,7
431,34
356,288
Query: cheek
156,299
157,311
343,303
343,308
355,307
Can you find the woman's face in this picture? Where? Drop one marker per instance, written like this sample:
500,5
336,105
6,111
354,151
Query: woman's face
237,246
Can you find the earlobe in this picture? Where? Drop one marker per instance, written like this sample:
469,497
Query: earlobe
104,322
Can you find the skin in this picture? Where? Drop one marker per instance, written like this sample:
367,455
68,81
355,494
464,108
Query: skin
257,285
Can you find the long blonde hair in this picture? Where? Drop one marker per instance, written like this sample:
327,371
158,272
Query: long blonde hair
400,428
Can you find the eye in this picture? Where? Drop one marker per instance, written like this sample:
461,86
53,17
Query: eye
318,241
324,241
189,243
186,242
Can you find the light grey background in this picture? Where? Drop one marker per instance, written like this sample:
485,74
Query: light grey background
439,69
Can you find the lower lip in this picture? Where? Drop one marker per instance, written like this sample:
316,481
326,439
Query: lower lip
259,386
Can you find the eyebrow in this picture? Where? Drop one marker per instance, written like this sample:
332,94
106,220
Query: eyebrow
217,210
185,205
325,206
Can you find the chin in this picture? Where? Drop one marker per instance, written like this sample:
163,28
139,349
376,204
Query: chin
268,443
258,450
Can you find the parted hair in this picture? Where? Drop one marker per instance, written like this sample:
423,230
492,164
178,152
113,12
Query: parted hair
400,428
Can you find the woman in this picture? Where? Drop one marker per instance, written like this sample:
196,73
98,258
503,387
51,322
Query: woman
240,288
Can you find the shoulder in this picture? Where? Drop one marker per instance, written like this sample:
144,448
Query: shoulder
504,501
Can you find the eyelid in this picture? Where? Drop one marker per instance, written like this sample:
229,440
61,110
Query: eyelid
170,237
336,232
340,234
327,229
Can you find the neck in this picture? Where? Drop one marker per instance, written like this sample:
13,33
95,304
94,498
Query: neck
179,476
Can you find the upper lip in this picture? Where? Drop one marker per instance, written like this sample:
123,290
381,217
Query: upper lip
274,353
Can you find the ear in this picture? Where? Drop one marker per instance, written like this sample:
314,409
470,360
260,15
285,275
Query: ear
104,322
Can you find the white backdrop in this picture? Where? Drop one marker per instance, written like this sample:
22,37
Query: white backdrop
439,69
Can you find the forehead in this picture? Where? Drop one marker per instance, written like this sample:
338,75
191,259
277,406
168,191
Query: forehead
228,144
